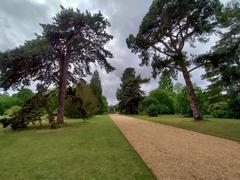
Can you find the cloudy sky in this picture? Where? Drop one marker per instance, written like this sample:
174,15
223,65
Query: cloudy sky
19,20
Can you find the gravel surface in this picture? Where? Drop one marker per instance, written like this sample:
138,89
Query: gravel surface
174,153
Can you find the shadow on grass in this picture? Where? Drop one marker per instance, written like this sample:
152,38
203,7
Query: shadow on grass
45,126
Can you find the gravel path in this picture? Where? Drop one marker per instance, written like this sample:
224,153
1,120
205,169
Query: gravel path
174,153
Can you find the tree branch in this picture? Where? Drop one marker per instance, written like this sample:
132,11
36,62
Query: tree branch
196,67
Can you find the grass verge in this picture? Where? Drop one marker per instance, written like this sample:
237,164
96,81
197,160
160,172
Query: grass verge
226,128
92,150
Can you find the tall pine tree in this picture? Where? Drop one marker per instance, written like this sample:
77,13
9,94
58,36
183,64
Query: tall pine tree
130,94
61,55
166,29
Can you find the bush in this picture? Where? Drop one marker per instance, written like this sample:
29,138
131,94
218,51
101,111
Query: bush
165,100
147,102
153,110
11,111
82,103
7,102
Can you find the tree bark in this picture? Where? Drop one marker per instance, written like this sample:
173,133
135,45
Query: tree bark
197,114
62,89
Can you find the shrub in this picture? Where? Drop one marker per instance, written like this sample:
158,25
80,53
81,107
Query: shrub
11,111
147,102
7,102
153,110
82,103
165,100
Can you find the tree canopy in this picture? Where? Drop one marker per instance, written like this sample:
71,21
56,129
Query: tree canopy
61,55
166,81
164,32
222,64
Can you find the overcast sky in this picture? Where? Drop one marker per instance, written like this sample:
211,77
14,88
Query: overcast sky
19,20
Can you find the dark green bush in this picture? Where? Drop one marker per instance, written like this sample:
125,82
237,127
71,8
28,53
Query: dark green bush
165,100
82,103
153,110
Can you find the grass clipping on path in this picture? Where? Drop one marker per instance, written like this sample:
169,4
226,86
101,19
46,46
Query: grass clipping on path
226,128
92,150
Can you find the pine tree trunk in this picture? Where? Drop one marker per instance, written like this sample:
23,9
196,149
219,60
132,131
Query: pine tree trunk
197,115
62,90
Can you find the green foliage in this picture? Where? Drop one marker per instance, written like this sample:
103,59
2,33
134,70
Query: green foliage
166,82
113,108
7,102
183,104
163,34
24,95
95,84
153,110
148,101
129,95
80,102
53,103
61,55
11,111
165,100
96,87
222,65
37,59
105,104
32,111
219,110
234,106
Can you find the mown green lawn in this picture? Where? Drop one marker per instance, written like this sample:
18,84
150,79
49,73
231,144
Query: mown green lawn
92,150
226,128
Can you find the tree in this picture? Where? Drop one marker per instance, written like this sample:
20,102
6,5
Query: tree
96,87
61,55
105,104
32,111
183,105
164,32
80,102
7,102
177,87
11,111
148,101
130,94
222,64
153,110
24,95
165,100
166,82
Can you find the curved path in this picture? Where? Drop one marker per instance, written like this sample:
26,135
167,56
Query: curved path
174,153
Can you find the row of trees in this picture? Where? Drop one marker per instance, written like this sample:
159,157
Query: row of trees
81,102
62,55
170,98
